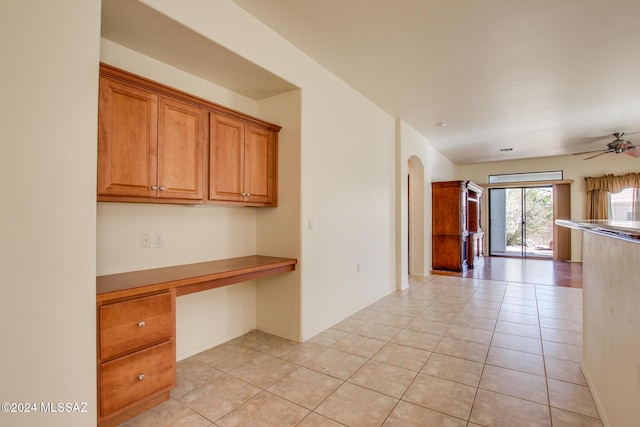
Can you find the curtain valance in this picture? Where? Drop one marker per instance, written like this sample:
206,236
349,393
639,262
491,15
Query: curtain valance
598,189
613,183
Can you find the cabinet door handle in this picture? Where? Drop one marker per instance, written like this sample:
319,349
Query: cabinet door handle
154,187
243,194
248,195
141,324
163,188
141,377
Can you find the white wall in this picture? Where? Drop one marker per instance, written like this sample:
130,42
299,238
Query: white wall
346,174
574,168
48,122
346,171
348,179
435,167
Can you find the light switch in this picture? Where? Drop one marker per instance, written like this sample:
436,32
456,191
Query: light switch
158,240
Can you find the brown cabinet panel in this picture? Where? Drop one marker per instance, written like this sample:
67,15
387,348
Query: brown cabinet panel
133,324
181,133
226,153
126,381
448,253
127,140
447,210
260,165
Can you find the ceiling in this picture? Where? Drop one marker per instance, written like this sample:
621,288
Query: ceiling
543,77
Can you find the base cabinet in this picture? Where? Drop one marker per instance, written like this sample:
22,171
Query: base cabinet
136,352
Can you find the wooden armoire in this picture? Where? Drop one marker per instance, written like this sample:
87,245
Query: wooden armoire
458,239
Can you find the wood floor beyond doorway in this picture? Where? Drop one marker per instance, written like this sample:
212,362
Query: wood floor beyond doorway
541,272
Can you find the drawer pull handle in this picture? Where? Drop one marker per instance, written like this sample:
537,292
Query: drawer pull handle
141,377
142,324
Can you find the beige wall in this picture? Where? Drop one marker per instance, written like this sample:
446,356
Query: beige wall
347,173
48,122
279,298
611,349
574,167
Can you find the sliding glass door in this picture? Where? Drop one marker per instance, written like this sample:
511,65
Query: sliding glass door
521,222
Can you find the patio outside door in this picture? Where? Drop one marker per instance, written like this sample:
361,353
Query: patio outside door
521,222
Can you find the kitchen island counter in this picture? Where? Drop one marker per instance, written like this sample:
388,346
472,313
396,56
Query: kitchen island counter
611,317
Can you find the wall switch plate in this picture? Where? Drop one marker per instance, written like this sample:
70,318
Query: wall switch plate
158,240
145,240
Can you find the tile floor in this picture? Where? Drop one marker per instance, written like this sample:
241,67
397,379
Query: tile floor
448,351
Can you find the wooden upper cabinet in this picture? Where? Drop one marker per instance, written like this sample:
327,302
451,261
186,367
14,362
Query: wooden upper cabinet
149,145
243,162
226,159
159,145
260,165
127,140
181,134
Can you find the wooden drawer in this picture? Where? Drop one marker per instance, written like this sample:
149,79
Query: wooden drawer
130,325
127,380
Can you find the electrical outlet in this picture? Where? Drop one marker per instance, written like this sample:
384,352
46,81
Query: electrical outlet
158,240
145,240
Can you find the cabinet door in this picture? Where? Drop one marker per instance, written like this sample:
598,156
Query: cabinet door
226,163
260,165
181,133
127,140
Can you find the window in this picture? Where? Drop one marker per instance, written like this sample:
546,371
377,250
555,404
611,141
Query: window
528,176
625,205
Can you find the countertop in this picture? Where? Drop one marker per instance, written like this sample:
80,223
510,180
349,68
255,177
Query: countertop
191,278
624,230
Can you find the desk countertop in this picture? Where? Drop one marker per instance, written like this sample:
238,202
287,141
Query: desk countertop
624,230
191,277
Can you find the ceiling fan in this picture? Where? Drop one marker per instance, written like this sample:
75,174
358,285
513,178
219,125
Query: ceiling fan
617,146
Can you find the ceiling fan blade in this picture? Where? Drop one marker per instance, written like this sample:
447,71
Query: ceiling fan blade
633,151
592,151
604,152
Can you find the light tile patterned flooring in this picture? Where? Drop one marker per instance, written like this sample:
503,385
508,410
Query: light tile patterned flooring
446,352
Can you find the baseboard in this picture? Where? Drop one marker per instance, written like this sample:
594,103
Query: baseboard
211,344
594,395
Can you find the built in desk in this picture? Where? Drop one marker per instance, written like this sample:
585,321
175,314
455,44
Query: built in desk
136,324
